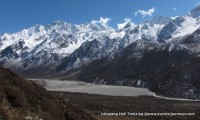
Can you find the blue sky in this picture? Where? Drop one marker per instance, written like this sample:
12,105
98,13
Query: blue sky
16,15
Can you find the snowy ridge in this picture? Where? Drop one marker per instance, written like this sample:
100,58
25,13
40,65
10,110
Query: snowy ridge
40,43
72,45
179,27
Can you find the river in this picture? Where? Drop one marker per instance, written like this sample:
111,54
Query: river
90,88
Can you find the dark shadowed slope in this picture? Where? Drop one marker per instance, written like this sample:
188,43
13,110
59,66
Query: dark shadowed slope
20,99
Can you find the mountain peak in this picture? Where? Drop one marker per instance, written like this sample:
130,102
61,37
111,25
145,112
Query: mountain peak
195,13
61,22
160,20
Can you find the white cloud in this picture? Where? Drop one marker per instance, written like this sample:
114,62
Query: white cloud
145,13
126,20
103,21
174,8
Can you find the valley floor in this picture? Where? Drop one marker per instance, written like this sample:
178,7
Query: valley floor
118,107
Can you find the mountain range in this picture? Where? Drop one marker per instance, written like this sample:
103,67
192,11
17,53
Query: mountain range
143,55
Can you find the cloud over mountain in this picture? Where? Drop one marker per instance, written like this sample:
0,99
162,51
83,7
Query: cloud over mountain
145,13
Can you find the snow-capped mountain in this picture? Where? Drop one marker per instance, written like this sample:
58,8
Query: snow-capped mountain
47,44
195,13
105,45
63,46
178,28
160,20
89,51
43,45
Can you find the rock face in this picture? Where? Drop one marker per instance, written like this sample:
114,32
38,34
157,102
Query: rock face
20,99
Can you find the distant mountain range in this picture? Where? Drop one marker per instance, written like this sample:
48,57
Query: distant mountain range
152,54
